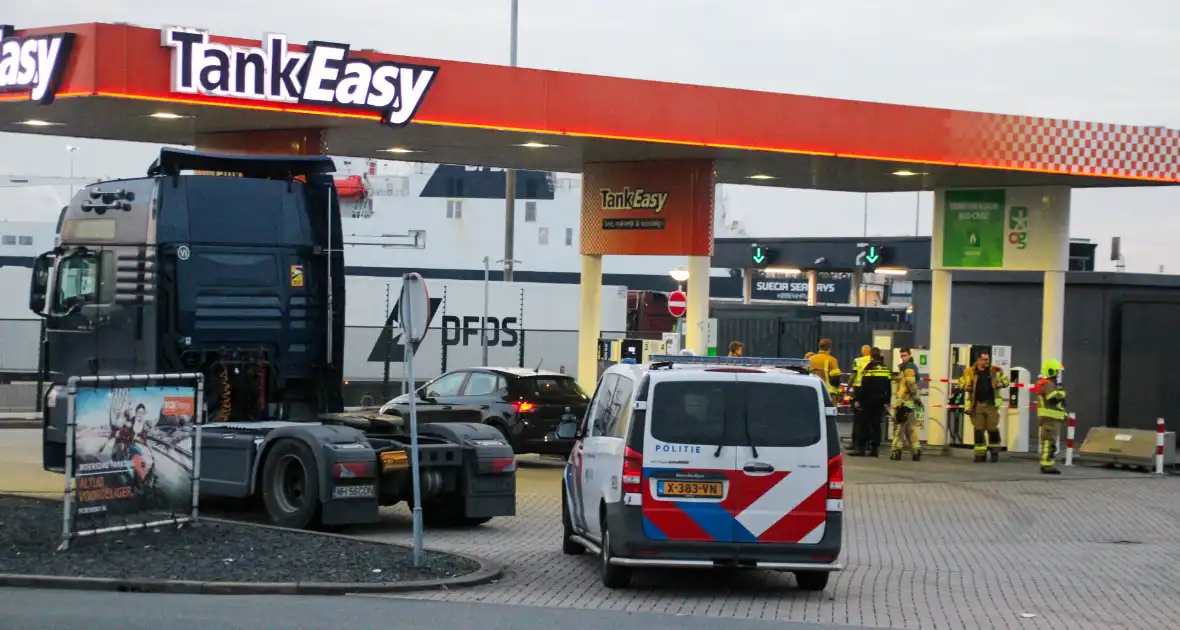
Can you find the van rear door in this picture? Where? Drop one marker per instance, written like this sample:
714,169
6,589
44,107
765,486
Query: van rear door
687,471
780,485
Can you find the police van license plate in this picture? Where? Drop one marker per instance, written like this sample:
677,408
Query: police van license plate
354,492
694,489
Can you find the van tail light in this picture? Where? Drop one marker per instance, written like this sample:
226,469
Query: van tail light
632,471
523,407
836,477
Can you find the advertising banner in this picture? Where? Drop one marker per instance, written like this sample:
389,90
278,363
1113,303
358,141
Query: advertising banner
648,208
830,288
973,229
1024,228
134,453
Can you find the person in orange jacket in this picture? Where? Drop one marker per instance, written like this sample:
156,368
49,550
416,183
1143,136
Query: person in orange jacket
983,387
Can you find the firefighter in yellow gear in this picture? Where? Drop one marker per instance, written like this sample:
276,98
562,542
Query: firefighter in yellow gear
1050,413
906,415
983,388
859,364
827,368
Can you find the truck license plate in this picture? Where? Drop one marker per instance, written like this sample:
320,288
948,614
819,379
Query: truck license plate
354,492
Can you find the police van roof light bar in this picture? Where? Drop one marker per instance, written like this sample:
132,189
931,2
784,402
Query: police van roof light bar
675,359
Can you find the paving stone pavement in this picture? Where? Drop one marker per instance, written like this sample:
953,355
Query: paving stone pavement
954,546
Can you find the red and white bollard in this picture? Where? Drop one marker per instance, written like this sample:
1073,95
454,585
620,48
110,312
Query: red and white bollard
1070,427
1159,446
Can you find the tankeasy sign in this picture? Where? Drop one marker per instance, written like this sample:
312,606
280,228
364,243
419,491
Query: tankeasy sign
325,74
33,64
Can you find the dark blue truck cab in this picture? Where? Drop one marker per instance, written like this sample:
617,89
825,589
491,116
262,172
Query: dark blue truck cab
233,267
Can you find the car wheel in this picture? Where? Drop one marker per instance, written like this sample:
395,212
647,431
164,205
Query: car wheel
812,580
504,433
613,576
568,546
290,485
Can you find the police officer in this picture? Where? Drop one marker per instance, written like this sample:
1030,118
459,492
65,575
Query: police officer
859,363
870,400
1050,413
905,415
983,387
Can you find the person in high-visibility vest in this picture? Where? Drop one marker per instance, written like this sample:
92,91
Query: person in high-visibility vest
871,399
1050,413
827,368
858,367
859,363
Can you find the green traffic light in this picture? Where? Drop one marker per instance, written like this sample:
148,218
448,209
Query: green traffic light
759,257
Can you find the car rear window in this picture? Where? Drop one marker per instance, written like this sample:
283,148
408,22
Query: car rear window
689,412
551,388
779,414
735,414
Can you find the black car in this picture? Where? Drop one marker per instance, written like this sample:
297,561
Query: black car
525,405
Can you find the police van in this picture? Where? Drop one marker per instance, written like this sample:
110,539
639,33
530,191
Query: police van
706,462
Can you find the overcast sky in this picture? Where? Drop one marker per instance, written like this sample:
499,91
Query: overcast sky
1099,61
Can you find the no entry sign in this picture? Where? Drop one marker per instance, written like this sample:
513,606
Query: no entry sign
677,304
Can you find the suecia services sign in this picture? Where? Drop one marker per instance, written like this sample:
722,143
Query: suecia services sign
326,74
33,64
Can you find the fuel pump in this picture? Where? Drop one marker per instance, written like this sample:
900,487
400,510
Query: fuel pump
1021,422
612,351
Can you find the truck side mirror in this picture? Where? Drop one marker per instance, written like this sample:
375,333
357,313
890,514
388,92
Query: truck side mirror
39,282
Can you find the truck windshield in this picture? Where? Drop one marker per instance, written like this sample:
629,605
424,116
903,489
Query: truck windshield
77,281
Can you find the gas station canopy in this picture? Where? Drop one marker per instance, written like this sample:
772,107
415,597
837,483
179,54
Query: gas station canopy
176,85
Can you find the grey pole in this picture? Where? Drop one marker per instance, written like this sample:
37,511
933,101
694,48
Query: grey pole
917,211
416,514
487,277
866,219
71,150
510,177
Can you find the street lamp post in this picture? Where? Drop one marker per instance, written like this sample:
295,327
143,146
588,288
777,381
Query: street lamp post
510,174
71,149
487,285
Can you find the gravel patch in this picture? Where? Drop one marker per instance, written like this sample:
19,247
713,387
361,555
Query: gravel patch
205,552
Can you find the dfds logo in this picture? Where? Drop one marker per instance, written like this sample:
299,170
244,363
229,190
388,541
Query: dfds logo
466,331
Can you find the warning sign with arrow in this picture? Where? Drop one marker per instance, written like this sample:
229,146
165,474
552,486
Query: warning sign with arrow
869,257
760,256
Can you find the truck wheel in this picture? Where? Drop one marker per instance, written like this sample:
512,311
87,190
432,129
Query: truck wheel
291,485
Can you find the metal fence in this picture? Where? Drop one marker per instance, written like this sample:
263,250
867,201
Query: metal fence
790,337
19,347
366,350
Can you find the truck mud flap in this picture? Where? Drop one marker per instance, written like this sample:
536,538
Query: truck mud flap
488,480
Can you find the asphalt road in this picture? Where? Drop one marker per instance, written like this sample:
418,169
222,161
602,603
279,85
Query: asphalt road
22,609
